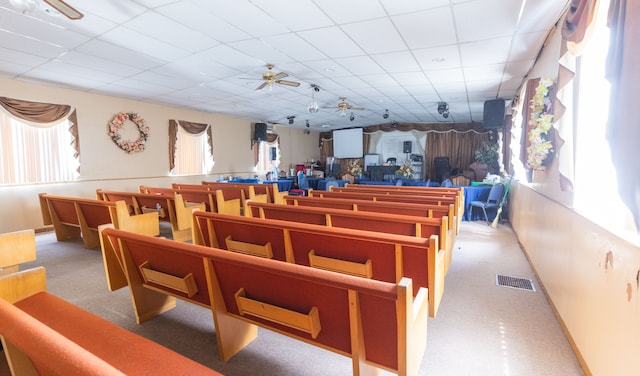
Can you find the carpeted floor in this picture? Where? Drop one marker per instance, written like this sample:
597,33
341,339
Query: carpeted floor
481,328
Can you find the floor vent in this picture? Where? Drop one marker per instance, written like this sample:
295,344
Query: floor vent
514,282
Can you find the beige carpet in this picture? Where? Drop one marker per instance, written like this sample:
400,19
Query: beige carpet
481,328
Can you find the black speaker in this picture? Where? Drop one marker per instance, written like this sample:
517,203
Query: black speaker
493,116
406,147
272,153
260,133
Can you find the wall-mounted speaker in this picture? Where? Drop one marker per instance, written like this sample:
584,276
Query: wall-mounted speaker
493,116
406,147
272,153
260,132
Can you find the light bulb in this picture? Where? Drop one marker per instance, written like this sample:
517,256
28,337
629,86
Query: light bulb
313,107
25,6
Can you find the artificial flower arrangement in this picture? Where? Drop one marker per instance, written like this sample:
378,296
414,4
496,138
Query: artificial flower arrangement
540,123
406,171
130,146
354,168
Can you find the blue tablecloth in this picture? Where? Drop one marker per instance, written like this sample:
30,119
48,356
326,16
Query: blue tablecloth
313,182
322,184
284,185
478,193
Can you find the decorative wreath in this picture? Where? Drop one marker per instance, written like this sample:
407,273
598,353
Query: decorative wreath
127,145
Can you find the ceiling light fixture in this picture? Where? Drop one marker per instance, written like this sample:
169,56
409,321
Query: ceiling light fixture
25,6
352,117
313,106
386,114
307,123
443,109
290,118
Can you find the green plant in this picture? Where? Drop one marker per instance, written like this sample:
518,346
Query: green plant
488,154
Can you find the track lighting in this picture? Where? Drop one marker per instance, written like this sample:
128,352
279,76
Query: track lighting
386,114
307,124
443,109
290,118
352,117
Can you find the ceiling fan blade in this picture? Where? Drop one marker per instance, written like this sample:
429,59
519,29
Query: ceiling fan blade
262,86
356,108
66,9
288,83
280,75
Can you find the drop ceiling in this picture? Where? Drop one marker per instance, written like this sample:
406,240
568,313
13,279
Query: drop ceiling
404,56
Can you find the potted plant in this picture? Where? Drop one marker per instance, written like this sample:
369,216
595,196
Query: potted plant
486,155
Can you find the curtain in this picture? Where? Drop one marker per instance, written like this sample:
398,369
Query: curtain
44,115
623,128
271,138
191,128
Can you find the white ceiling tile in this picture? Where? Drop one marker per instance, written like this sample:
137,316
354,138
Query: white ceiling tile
428,28
293,46
136,41
118,12
397,62
297,15
376,36
475,53
407,6
526,46
494,72
342,12
438,58
360,65
163,29
112,53
246,17
17,42
445,76
485,19
93,62
332,41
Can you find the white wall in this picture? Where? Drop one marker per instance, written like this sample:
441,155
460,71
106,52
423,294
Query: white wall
104,165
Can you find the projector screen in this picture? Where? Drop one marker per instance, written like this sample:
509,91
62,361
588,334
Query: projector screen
347,143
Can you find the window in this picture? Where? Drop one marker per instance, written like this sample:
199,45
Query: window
596,190
192,154
265,162
33,154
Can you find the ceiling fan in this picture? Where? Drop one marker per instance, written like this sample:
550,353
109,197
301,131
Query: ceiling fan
30,6
269,77
343,106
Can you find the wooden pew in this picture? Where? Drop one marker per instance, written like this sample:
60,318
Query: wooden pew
407,198
410,190
386,257
253,191
75,217
190,196
421,227
45,335
418,210
171,208
379,325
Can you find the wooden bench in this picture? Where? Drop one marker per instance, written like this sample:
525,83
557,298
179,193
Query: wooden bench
407,198
379,222
253,190
45,335
379,325
75,217
386,257
418,210
171,208
190,196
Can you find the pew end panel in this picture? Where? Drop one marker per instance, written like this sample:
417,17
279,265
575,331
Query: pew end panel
228,203
16,247
64,218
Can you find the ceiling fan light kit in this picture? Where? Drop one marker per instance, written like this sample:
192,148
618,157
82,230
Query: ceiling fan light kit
32,6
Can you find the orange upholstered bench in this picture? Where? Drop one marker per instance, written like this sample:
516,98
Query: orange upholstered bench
379,325
45,335
385,257
75,217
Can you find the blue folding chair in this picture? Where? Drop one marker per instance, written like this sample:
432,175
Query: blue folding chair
492,202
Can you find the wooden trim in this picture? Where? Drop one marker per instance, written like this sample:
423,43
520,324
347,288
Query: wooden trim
341,266
308,323
185,285
248,248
